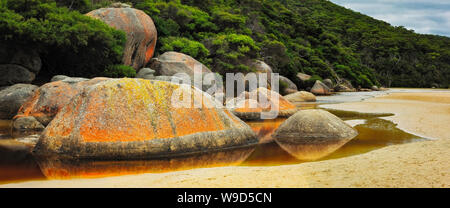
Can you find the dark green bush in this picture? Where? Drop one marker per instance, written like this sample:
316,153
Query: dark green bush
231,52
315,37
190,47
119,71
282,86
68,42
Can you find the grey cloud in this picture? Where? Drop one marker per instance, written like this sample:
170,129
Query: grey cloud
422,16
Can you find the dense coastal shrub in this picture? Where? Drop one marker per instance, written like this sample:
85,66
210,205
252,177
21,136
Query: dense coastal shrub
119,71
231,52
192,48
68,42
315,37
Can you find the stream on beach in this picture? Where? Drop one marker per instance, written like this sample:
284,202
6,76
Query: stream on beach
17,164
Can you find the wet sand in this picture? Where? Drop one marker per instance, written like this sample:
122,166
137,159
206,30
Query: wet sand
420,164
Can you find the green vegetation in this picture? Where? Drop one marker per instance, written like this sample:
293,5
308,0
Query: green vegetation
68,42
119,71
195,49
315,37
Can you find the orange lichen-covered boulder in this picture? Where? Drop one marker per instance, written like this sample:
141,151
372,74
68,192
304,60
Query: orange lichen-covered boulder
261,101
247,109
275,101
139,28
174,64
137,118
48,99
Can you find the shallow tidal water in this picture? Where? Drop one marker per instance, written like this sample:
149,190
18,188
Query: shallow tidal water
17,164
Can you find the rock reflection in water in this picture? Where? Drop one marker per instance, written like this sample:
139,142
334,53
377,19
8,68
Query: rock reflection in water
312,152
374,133
60,168
265,128
270,154
17,163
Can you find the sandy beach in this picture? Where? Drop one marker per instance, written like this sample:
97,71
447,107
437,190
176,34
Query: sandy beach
419,164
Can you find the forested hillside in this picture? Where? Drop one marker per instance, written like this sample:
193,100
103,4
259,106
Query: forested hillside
315,37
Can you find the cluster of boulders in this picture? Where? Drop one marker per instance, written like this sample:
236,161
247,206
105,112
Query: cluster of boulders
18,64
18,68
133,118
179,67
259,103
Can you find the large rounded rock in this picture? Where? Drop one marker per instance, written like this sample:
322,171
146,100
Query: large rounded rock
139,28
320,88
301,96
313,134
20,55
13,73
27,124
291,87
48,99
18,64
247,109
303,77
261,103
174,63
136,118
67,79
173,79
262,67
344,86
11,98
328,83
283,107
146,73
171,63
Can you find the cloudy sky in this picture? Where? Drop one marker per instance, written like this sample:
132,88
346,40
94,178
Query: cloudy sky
423,16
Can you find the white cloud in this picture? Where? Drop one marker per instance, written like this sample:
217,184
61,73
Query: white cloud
423,16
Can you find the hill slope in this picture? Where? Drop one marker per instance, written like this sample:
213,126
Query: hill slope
311,36
315,37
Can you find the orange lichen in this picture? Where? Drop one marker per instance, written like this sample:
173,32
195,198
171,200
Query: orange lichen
248,106
96,169
138,110
269,100
57,94
50,98
265,129
139,28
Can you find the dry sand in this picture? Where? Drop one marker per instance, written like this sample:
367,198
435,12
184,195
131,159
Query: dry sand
420,164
